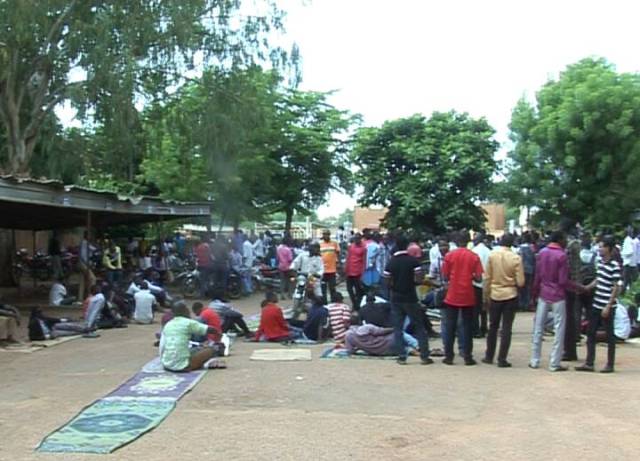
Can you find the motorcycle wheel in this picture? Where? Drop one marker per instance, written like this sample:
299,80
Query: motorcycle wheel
234,290
190,288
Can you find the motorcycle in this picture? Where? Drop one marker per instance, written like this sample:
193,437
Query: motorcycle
37,267
190,284
266,278
304,285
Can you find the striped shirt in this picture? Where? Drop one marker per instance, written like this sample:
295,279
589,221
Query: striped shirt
340,318
608,275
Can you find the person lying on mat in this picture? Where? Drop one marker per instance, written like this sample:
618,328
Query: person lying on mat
273,326
175,354
376,340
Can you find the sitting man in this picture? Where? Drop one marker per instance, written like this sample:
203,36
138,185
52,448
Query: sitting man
376,311
231,318
174,342
315,328
99,313
144,304
273,327
376,340
339,318
209,317
58,294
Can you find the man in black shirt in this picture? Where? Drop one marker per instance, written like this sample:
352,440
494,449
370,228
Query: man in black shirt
402,274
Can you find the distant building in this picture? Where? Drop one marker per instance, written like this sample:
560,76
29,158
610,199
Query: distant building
368,218
496,218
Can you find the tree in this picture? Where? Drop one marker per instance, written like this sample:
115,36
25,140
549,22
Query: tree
309,153
576,151
213,132
430,173
107,56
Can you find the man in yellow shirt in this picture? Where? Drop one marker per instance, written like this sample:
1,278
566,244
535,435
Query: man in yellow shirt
503,276
330,252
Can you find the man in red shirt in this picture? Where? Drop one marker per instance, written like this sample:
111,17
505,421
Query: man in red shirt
273,326
210,318
204,261
356,255
461,267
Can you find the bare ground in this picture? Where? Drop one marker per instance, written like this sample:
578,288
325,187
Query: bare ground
333,409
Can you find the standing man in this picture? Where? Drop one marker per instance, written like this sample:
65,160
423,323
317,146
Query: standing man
55,252
529,264
258,246
629,263
355,268
330,252
607,286
504,275
549,288
285,258
403,274
461,267
248,258
480,314
204,263
88,279
572,329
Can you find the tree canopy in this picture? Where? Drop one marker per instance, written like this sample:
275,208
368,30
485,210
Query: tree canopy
105,57
430,173
576,150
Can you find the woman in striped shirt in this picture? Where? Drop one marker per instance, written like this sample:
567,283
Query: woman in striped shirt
607,287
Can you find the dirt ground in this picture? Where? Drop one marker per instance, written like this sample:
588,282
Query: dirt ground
334,409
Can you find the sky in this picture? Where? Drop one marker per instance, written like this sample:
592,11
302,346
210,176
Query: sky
388,59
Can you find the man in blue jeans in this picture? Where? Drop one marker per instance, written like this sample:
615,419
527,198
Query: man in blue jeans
402,274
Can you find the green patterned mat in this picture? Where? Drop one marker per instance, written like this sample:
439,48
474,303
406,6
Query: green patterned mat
107,425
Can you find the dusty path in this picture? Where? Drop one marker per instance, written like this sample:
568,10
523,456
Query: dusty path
334,409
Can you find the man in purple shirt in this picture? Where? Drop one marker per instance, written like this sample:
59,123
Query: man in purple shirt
549,287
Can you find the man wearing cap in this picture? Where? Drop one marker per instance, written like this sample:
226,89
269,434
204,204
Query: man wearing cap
330,252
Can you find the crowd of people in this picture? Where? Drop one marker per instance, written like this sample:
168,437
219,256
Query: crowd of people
396,286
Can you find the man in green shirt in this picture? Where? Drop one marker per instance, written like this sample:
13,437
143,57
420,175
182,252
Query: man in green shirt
174,342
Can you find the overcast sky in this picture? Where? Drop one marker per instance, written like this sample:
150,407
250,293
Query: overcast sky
394,58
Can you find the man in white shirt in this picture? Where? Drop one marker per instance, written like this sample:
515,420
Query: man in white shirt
258,247
479,314
248,258
310,264
629,263
144,302
58,294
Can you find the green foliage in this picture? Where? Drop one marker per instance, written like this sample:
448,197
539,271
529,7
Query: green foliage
247,144
105,57
577,150
430,173
308,148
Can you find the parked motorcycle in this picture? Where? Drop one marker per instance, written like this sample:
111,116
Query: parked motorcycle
266,278
190,284
37,267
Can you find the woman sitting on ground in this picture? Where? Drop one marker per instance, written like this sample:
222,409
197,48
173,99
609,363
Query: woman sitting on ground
273,326
174,342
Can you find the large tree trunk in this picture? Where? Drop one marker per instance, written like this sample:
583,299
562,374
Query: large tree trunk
20,152
288,221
